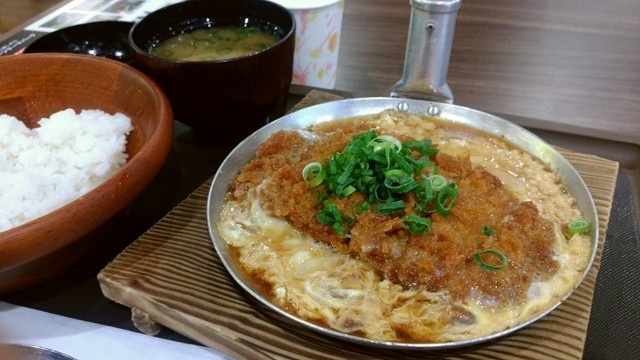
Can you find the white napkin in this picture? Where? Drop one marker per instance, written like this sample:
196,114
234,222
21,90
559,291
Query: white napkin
84,340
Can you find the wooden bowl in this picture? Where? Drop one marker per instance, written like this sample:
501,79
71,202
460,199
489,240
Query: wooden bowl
33,86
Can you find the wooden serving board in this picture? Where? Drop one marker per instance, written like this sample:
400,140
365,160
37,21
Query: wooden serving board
172,276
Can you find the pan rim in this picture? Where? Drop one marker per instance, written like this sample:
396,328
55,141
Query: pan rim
347,108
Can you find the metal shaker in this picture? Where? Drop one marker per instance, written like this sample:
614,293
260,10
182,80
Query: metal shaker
426,60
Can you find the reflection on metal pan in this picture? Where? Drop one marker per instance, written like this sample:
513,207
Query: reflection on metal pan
342,109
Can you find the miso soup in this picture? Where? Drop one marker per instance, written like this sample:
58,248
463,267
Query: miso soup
215,43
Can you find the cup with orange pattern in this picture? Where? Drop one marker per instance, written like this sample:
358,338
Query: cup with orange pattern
318,25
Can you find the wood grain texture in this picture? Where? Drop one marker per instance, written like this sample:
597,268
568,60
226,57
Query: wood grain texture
173,274
575,63
18,13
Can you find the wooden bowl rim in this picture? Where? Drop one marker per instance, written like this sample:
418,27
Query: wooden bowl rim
158,144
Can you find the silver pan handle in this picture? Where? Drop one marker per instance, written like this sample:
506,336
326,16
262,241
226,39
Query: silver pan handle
426,60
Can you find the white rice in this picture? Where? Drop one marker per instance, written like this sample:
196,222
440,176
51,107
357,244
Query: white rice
44,168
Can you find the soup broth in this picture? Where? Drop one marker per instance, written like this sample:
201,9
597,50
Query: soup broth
216,43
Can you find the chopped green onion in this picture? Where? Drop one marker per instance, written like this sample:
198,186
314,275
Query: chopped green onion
380,193
331,215
313,174
446,198
384,142
427,165
487,230
425,193
417,225
400,184
333,165
401,162
423,146
395,172
348,169
384,169
578,226
319,196
365,206
339,228
421,164
391,208
437,182
488,267
419,144
348,191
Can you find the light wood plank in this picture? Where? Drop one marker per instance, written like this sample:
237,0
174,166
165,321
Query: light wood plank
172,274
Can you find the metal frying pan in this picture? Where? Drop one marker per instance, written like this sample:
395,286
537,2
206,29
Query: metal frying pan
342,109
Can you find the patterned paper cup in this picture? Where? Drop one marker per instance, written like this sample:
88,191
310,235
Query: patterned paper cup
318,24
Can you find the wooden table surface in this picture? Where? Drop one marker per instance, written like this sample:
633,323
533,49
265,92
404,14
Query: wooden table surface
17,13
567,62
564,61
